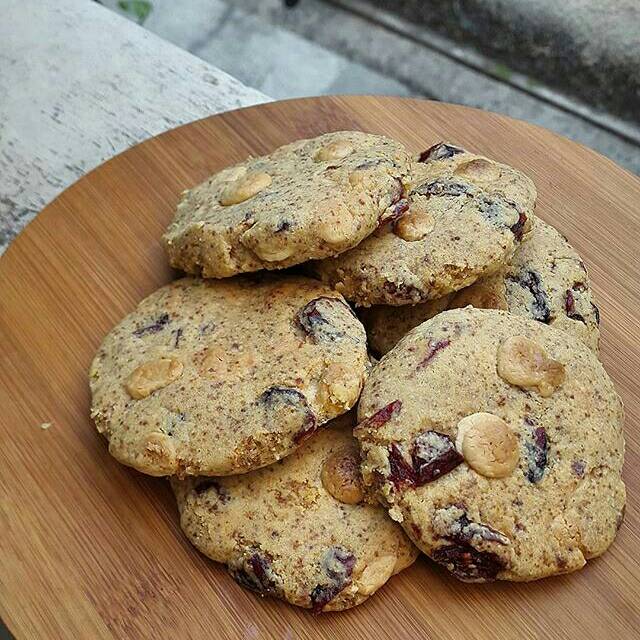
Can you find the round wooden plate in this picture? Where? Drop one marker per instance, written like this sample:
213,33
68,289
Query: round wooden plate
91,549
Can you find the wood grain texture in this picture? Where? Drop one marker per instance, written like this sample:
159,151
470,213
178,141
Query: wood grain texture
91,549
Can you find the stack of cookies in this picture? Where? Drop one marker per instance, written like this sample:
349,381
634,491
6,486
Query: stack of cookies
487,435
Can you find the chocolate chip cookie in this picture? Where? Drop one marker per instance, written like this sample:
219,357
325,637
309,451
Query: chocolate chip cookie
224,376
312,537
461,218
546,281
309,199
496,441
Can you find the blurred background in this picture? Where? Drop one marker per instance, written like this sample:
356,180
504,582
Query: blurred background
572,66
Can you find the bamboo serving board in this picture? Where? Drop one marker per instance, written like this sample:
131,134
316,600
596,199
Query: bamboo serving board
92,549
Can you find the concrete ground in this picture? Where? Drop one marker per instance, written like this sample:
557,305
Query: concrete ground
349,46
590,48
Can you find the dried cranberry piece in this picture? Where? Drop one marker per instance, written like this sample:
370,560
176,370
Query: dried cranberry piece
439,151
578,467
309,427
518,228
394,213
381,417
570,303
402,292
290,397
398,191
337,563
463,531
401,207
287,395
539,307
283,225
442,188
209,483
254,572
398,207
313,319
434,454
401,473
244,579
322,595
492,209
467,563
537,453
463,558
154,327
433,347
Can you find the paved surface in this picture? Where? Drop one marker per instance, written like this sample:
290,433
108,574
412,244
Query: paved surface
588,47
275,60
348,46
78,84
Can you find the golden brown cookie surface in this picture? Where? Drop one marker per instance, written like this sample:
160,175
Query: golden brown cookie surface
461,218
497,442
309,199
301,543
219,377
546,280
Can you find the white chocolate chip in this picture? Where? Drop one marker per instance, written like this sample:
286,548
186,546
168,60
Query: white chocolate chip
233,173
480,170
272,252
244,187
338,390
334,151
395,514
153,375
160,448
525,364
341,476
415,224
488,445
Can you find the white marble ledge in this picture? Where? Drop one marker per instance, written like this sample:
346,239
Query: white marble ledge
79,84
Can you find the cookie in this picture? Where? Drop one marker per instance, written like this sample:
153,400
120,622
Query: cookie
301,529
309,199
225,376
546,281
386,325
462,218
497,442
